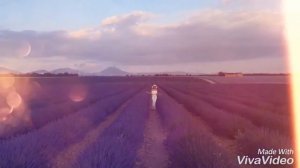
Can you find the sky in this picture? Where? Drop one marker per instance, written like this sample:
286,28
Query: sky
143,36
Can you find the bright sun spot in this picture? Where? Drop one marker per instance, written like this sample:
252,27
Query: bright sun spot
7,82
292,23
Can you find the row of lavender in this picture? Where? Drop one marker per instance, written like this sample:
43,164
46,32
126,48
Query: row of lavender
271,97
38,148
52,102
188,143
261,117
249,129
119,143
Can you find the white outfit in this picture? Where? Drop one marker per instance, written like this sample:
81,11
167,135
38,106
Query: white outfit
154,98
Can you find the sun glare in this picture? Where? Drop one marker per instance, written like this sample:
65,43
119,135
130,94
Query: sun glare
292,23
6,82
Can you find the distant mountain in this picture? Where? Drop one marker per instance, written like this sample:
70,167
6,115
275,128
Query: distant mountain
65,70
173,73
40,71
7,71
112,71
166,72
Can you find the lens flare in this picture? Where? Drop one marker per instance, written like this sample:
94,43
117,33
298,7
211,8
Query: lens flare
14,100
25,49
78,93
4,111
292,23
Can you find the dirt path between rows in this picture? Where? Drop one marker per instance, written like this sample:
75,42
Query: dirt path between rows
68,157
153,152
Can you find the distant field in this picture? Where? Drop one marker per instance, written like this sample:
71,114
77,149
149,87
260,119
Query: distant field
108,122
249,79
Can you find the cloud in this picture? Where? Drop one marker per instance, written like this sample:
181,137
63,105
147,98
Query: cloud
208,36
127,20
253,4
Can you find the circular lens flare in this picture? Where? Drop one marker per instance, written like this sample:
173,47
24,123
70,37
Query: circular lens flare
14,100
25,49
78,93
4,118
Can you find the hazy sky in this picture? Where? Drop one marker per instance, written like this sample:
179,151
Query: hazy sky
142,35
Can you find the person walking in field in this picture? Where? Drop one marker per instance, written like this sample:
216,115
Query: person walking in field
154,92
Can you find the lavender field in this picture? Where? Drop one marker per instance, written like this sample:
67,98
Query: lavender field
108,122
